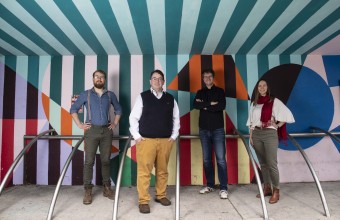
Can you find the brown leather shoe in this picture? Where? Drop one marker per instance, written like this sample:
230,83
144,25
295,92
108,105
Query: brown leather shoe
144,208
108,192
275,197
164,201
87,196
267,191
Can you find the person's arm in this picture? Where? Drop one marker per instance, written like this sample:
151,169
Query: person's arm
176,122
199,103
118,111
134,118
81,100
219,104
78,123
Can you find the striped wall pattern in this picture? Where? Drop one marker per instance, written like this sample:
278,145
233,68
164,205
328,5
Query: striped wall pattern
36,93
124,27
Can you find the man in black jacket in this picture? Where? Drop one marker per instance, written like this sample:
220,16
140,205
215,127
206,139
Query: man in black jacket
211,102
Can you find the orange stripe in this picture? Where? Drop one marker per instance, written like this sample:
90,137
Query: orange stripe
46,105
241,91
174,84
66,124
195,73
218,67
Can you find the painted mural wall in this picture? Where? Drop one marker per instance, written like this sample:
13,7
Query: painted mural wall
35,95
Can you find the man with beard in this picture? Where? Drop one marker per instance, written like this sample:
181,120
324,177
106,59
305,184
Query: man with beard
98,131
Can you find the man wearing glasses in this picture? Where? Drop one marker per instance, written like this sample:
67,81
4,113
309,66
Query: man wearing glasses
98,131
154,124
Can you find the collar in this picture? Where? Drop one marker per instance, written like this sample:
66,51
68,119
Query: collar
104,90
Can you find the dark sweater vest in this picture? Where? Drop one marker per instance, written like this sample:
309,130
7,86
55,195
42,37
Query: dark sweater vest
156,119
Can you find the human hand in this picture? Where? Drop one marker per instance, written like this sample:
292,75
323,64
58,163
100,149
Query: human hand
199,100
172,140
85,126
139,140
213,103
112,126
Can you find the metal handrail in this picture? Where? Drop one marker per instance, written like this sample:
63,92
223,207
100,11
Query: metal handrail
317,182
17,159
61,178
257,176
119,179
327,132
177,208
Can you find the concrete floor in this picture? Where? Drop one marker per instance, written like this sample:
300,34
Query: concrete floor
297,201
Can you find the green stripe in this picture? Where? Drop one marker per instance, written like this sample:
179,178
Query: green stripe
55,83
148,67
19,25
292,26
11,62
240,13
44,19
173,17
109,20
33,71
5,52
263,64
102,63
124,100
140,18
284,59
313,32
206,16
18,45
79,78
74,16
266,22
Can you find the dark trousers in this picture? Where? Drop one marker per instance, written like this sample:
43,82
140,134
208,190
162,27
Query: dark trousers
214,141
97,136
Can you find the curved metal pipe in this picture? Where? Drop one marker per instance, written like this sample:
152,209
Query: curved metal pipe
258,180
328,133
177,178
119,178
17,159
61,178
317,182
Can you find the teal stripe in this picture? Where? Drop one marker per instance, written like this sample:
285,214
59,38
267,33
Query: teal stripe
231,106
206,16
55,83
140,18
314,31
44,19
263,65
240,13
320,44
124,100
102,63
284,59
77,20
19,25
33,71
171,72
266,22
109,20
173,16
5,52
79,78
292,26
148,67
252,73
18,45
11,62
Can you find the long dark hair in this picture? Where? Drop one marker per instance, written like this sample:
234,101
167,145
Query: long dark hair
257,94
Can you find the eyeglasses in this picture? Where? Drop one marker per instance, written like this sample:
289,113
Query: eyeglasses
157,79
99,77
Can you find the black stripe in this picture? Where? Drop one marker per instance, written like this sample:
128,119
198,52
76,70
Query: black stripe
229,76
206,63
183,79
9,93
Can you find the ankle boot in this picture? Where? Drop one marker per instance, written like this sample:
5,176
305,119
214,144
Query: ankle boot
267,190
87,196
108,192
275,197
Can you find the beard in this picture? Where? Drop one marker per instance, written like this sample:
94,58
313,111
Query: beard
98,85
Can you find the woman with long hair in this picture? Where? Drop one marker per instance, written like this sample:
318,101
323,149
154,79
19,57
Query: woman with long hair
267,125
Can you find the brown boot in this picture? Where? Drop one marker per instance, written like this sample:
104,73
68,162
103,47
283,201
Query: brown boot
275,197
87,195
108,192
267,190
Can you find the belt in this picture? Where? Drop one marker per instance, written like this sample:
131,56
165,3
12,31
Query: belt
260,128
99,126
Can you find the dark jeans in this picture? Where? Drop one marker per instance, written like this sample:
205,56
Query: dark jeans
97,136
214,141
